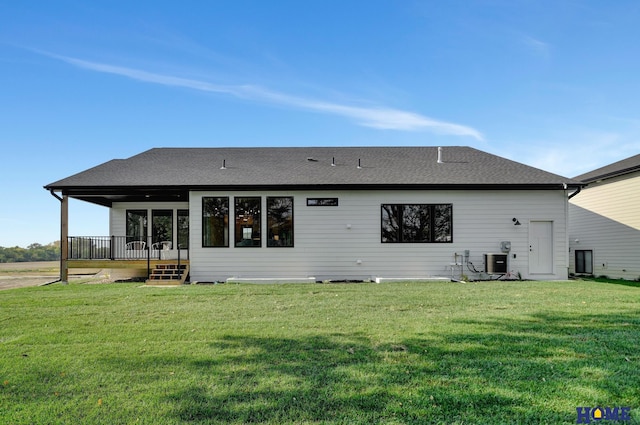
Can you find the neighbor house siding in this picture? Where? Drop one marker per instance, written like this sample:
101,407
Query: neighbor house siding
344,242
605,219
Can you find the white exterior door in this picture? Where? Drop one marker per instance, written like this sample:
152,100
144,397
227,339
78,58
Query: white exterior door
541,247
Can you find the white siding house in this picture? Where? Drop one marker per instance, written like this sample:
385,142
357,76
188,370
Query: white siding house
315,214
604,230
344,242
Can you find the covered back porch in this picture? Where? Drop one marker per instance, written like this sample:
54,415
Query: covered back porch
159,261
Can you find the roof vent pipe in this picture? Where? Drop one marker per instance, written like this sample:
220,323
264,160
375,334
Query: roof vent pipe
333,161
224,164
440,156
359,166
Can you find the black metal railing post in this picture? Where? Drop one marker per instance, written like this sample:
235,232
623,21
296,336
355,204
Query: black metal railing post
148,258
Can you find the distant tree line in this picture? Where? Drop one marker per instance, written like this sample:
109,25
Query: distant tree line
34,252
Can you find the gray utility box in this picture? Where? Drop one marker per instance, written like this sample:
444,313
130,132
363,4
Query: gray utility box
495,263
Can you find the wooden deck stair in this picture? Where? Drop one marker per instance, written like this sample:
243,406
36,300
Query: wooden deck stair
168,274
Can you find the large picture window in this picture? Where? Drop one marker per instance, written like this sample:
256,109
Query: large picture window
280,221
248,222
215,222
137,225
417,223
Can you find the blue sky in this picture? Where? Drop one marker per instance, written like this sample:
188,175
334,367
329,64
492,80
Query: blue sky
552,84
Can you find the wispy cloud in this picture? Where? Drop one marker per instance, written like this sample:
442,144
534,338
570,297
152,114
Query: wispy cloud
368,116
574,153
537,46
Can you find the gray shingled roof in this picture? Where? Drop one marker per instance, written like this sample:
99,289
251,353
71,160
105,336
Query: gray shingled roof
624,166
306,167
309,166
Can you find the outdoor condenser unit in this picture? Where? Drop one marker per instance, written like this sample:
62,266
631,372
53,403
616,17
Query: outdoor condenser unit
495,263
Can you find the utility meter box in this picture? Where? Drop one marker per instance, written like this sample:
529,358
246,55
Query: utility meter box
505,246
495,263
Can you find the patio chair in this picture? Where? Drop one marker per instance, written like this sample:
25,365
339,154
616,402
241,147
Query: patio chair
133,248
157,249
161,246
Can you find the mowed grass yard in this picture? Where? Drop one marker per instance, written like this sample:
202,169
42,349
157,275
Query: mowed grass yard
421,353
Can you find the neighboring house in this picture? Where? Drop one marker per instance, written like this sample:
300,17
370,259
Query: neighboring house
330,213
604,226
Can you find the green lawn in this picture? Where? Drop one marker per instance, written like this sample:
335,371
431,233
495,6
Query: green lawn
450,353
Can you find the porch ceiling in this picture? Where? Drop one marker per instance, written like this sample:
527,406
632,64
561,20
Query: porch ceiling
107,196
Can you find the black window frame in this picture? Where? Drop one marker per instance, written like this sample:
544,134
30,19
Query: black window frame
130,237
322,202
226,237
156,223
239,213
182,228
434,214
282,239
580,263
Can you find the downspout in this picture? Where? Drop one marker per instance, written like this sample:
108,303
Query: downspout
575,193
567,215
64,233
55,195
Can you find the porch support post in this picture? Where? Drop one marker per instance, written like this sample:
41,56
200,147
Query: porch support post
64,239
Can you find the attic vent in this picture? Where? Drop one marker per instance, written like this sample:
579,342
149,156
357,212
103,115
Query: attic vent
310,159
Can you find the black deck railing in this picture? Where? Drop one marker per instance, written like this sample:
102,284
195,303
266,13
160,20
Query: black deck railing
122,248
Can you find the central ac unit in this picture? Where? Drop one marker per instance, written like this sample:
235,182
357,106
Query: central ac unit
495,263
